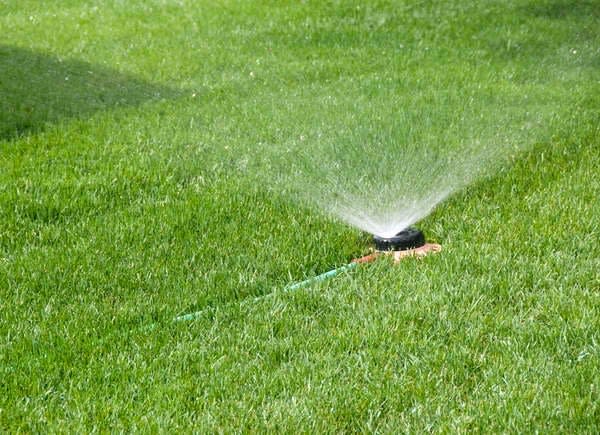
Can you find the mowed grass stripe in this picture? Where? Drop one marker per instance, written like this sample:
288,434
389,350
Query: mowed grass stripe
160,192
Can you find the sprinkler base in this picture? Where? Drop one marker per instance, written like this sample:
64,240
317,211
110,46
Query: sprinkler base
421,251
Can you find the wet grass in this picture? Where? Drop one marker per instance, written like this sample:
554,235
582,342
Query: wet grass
147,190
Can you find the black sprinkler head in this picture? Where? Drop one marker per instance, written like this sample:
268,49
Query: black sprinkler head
409,238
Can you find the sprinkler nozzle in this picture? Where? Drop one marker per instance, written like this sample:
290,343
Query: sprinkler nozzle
409,238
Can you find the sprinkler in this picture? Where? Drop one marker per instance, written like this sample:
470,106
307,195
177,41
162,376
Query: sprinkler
409,242
410,238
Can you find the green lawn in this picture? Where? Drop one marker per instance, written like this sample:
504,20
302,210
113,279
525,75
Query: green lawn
155,159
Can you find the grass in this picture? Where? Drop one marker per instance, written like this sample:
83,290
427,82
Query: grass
140,145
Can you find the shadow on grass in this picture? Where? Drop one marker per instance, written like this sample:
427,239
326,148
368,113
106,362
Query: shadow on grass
38,89
562,9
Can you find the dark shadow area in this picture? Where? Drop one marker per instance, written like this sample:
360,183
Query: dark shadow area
557,23
561,9
37,89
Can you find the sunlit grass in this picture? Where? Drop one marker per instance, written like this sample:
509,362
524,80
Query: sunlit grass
155,188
